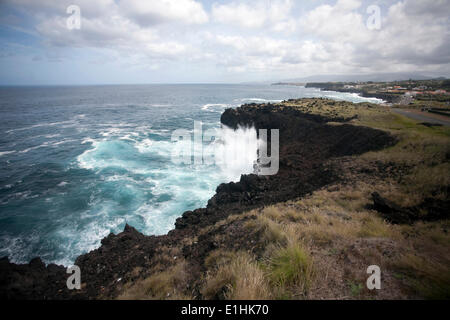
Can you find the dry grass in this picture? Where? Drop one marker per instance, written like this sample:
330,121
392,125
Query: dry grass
338,109
168,284
335,223
269,230
290,269
328,222
428,278
424,151
285,273
373,226
235,277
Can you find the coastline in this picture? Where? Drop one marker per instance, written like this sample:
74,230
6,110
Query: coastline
389,98
315,142
330,87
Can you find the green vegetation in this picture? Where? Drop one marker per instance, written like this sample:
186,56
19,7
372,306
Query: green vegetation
235,277
410,93
291,266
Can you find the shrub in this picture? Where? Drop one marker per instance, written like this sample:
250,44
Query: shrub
291,266
238,279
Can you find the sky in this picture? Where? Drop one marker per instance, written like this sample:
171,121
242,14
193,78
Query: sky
218,41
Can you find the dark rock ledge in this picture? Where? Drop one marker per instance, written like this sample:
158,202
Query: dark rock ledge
306,143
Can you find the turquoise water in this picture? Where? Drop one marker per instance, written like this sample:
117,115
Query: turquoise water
77,163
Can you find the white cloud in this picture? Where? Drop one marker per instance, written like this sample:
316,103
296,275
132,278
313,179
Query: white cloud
338,22
256,14
143,12
411,34
45,8
147,13
271,37
105,25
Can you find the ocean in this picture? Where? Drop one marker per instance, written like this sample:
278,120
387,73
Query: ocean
80,162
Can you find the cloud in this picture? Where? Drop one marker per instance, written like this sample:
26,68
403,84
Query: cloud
256,14
142,12
105,24
147,13
338,22
277,39
412,34
413,37
46,8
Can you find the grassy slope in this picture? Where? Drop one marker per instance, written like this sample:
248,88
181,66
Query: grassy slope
320,246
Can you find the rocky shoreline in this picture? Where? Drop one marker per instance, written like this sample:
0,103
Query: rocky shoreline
389,98
307,143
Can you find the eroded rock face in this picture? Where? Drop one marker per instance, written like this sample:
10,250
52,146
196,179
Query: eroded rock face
306,143
32,281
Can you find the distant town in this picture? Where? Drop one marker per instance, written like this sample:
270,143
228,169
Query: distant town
412,93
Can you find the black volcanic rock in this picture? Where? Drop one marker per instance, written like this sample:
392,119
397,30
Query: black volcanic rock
32,281
436,210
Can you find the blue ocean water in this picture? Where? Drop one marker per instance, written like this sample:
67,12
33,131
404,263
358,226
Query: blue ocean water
77,163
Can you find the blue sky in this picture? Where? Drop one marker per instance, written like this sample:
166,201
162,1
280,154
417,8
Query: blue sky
179,41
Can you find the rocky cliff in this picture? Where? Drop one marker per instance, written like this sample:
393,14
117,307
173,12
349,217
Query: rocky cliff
307,142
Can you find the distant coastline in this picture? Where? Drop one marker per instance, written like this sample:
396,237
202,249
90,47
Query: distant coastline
326,86
433,93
